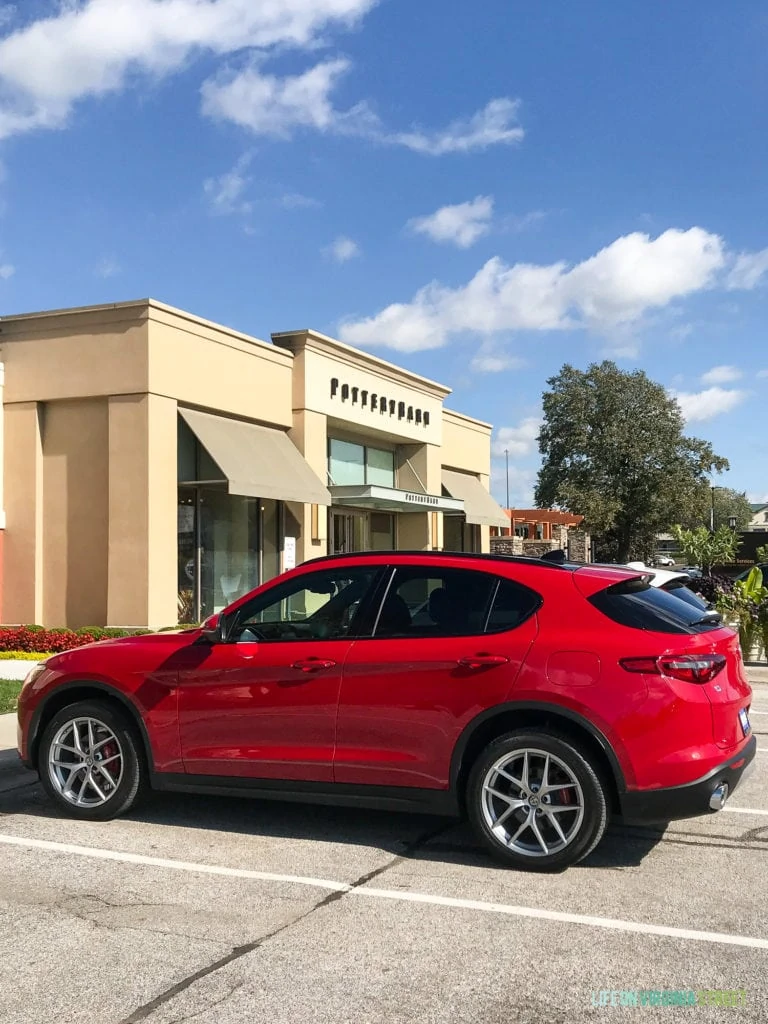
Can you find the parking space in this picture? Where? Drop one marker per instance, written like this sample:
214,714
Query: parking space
222,910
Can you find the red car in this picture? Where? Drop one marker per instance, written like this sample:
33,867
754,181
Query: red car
536,698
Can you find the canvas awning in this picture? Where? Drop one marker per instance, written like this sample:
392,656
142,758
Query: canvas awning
258,462
479,507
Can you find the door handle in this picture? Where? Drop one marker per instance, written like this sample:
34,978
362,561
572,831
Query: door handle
313,664
481,660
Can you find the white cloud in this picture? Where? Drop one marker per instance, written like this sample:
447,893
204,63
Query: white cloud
608,292
342,250
269,105
461,224
521,485
297,201
496,124
520,440
762,373
488,362
748,270
705,405
721,375
225,192
108,267
6,270
92,47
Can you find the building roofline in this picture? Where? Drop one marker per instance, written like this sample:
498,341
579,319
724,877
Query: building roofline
42,314
452,414
145,307
318,342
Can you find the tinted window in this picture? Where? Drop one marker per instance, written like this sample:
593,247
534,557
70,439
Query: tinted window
424,602
318,606
684,593
512,605
634,603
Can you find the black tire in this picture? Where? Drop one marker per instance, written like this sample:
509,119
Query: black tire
133,780
582,833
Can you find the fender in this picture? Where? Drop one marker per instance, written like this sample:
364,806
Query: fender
556,711
91,684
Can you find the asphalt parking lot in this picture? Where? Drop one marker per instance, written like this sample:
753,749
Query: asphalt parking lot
218,910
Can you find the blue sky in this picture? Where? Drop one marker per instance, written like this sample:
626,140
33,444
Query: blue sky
480,192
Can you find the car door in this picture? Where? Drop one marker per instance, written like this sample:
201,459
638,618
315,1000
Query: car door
448,643
263,704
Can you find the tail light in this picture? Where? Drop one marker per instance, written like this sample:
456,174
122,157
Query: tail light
690,668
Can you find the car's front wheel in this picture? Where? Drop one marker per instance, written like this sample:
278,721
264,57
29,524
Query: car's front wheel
90,761
536,801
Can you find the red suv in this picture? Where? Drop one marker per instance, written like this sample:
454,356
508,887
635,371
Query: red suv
536,698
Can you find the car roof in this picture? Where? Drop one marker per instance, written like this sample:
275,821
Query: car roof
388,556
609,573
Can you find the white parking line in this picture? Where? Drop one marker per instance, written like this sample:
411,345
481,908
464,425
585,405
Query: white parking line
613,924
744,810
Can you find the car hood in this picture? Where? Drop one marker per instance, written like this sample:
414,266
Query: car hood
155,645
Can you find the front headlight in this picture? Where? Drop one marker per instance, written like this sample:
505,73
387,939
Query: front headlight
32,675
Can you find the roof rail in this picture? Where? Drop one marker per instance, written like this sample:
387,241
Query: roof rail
518,559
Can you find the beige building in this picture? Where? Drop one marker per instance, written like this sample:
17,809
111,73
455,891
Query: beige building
157,466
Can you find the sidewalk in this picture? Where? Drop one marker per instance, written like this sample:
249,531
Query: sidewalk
12,774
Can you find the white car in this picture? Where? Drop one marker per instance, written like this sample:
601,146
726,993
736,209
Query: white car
664,560
674,582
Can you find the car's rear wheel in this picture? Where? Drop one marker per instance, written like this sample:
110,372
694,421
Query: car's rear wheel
536,801
90,761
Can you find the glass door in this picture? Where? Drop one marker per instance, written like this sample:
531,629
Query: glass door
348,532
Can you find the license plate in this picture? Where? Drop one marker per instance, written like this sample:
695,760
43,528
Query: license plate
744,719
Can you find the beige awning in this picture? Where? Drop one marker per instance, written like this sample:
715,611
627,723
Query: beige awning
258,462
479,506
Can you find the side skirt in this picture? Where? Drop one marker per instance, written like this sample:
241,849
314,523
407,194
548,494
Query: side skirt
386,798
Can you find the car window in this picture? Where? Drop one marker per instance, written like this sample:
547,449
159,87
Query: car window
318,606
512,605
429,601
636,604
684,593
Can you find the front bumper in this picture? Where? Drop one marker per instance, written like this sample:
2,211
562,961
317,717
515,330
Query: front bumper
692,799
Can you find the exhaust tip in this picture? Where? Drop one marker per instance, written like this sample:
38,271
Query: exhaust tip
719,796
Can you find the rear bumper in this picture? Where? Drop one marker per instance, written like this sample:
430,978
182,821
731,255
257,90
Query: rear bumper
690,800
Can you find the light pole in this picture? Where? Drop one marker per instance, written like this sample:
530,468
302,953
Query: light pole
506,456
712,512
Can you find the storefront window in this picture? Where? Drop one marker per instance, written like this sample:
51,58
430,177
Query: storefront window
380,467
458,535
382,531
229,548
227,544
270,540
358,465
346,463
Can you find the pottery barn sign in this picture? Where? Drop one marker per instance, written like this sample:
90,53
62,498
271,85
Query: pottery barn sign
377,403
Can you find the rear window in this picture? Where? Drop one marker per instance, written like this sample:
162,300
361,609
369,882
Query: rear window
684,593
636,604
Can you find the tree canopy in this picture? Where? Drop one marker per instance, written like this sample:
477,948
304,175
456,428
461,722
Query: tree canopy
614,451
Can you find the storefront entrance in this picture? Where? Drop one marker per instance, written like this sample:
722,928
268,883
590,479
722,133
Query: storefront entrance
356,530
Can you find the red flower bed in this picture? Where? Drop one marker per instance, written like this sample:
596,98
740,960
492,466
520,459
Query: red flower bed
46,641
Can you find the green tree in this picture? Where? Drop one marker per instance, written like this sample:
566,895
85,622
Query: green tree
761,555
727,503
614,451
704,548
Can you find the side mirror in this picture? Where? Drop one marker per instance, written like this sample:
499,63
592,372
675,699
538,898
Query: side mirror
212,629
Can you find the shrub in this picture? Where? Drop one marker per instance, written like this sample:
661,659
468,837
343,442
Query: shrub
34,639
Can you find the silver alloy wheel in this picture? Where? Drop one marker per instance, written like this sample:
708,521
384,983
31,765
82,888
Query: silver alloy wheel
532,802
85,762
